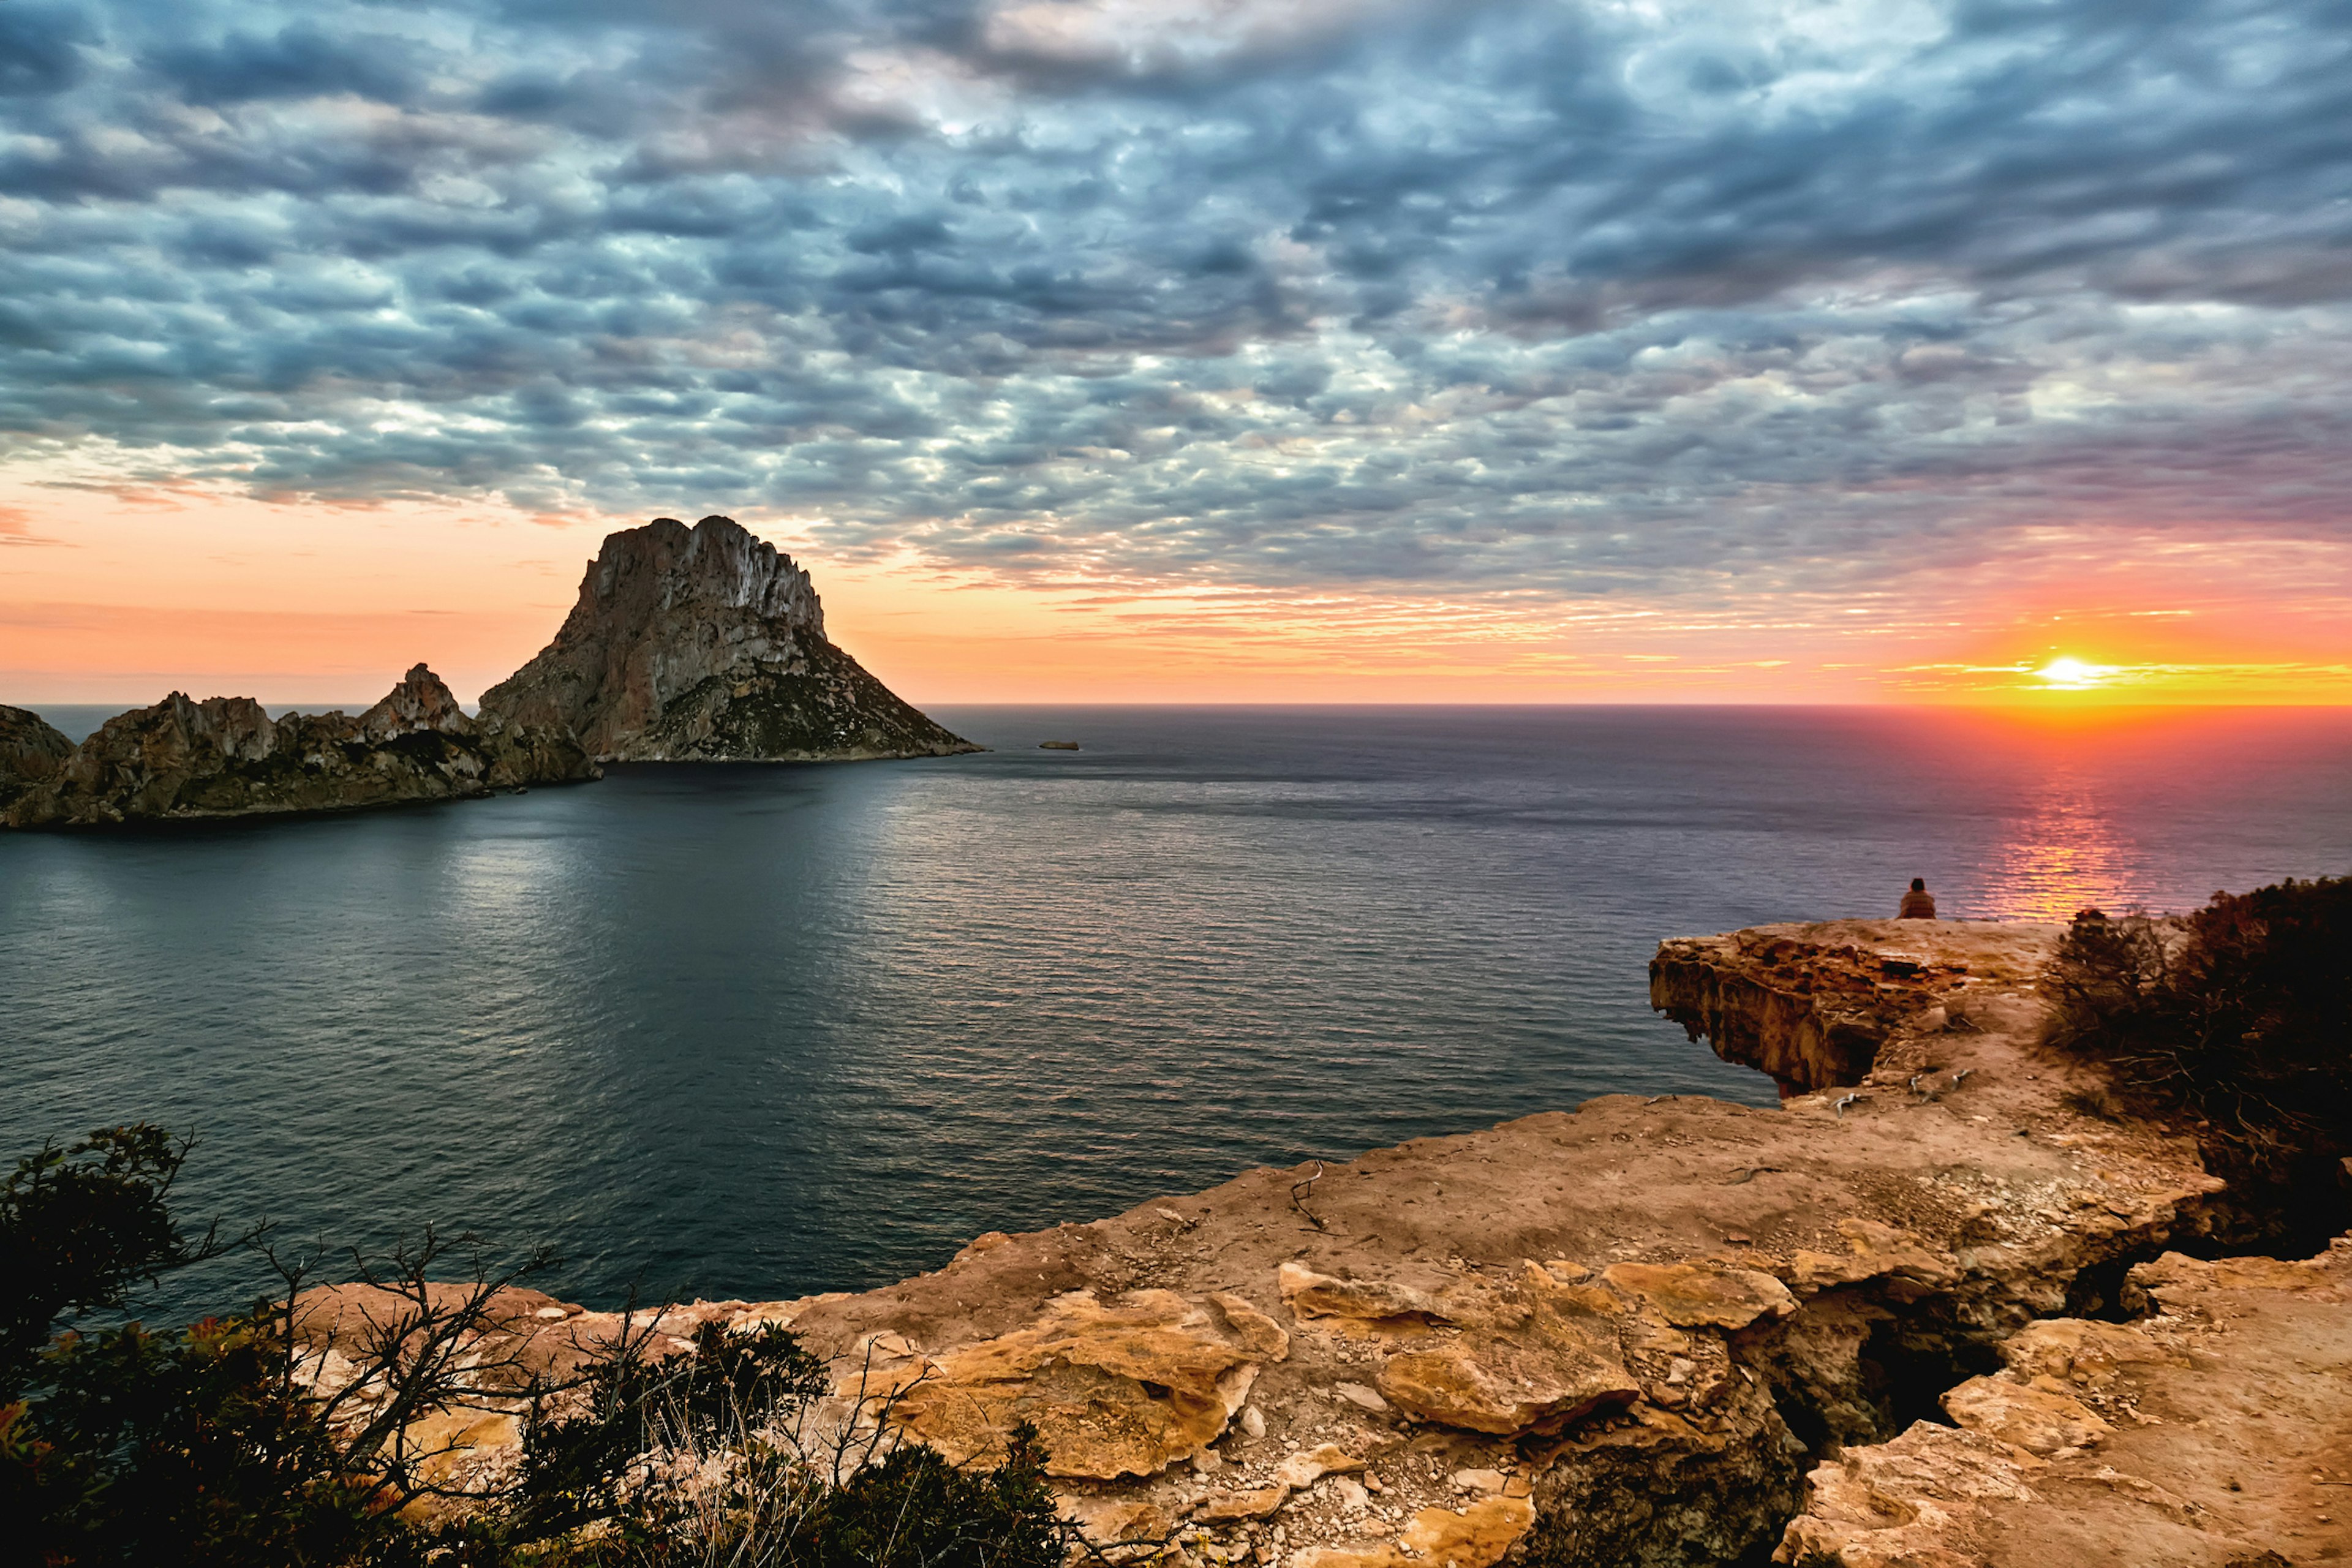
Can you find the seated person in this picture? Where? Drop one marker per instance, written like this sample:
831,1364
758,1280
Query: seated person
1918,904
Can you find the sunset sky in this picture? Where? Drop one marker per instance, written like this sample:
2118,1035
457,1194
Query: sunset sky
1193,350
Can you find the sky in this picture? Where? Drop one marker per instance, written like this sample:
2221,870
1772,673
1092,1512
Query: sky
1193,350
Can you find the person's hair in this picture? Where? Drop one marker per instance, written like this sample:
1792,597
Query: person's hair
1918,884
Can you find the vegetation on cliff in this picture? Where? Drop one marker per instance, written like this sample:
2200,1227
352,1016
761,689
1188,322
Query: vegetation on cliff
264,1439
2238,1016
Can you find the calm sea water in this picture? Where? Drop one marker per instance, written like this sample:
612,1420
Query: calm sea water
762,1030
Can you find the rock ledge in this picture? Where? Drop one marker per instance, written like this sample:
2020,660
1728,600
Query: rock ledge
1867,1329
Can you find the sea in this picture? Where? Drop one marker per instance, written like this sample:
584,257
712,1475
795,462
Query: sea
760,1030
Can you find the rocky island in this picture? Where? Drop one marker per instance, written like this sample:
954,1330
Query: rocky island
31,752
700,644
1943,1309
182,760
704,644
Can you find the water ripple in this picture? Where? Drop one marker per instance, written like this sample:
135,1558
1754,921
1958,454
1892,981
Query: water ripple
764,1030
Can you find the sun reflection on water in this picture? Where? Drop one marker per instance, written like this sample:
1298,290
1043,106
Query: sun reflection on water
2062,854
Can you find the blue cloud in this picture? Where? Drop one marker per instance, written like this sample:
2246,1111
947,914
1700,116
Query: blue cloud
41,49
1514,293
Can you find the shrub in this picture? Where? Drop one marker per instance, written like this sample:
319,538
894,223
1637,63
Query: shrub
123,1446
713,1457
2238,1015
210,1446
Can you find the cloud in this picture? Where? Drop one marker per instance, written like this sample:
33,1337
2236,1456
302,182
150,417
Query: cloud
41,49
1699,300
16,528
301,60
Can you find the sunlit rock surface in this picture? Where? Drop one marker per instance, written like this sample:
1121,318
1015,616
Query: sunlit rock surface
182,760
1864,1326
704,644
2210,1434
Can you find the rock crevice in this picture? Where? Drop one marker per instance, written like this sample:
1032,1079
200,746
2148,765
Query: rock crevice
1643,1333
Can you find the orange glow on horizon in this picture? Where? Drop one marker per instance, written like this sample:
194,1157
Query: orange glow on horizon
118,597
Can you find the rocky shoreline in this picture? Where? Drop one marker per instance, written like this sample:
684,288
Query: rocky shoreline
184,761
686,645
1930,1311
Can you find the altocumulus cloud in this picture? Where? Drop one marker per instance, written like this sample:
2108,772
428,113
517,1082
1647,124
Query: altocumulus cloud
1586,297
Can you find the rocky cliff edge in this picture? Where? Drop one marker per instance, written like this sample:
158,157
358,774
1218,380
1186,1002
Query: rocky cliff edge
1928,1315
705,644
31,752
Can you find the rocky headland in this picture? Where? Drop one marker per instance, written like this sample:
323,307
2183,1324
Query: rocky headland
705,644
698,644
31,752
182,760
1938,1310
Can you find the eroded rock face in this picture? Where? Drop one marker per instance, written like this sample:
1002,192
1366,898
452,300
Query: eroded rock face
1123,1388
1621,1335
31,752
182,760
705,644
2207,1436
1812,1003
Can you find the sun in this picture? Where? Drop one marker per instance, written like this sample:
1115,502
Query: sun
2069,674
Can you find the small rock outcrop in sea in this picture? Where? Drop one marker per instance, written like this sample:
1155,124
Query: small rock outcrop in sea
183,760
31,752
704,644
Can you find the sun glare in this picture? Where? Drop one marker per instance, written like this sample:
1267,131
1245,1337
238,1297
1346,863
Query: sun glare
2072,674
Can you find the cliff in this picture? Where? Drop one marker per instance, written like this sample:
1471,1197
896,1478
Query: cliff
31,752
1936,1319
704,644
1813,1005
224,757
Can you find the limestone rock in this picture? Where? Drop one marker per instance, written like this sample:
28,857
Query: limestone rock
1898,1504
704,644
1814,1003
1121,1389
1304,1469
31,752
1916,1234
182,760
1472,1537
2035,1419
1247,1502
1537,1363
1873,1251
1352,1305
2214,1435
2074,1348
1692,1295
1116,1521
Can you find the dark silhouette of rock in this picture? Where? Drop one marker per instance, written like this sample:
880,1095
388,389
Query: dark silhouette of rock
183,760
31,752
705,644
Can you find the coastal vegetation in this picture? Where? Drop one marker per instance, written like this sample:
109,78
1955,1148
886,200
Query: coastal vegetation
258,1438
2237,1018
